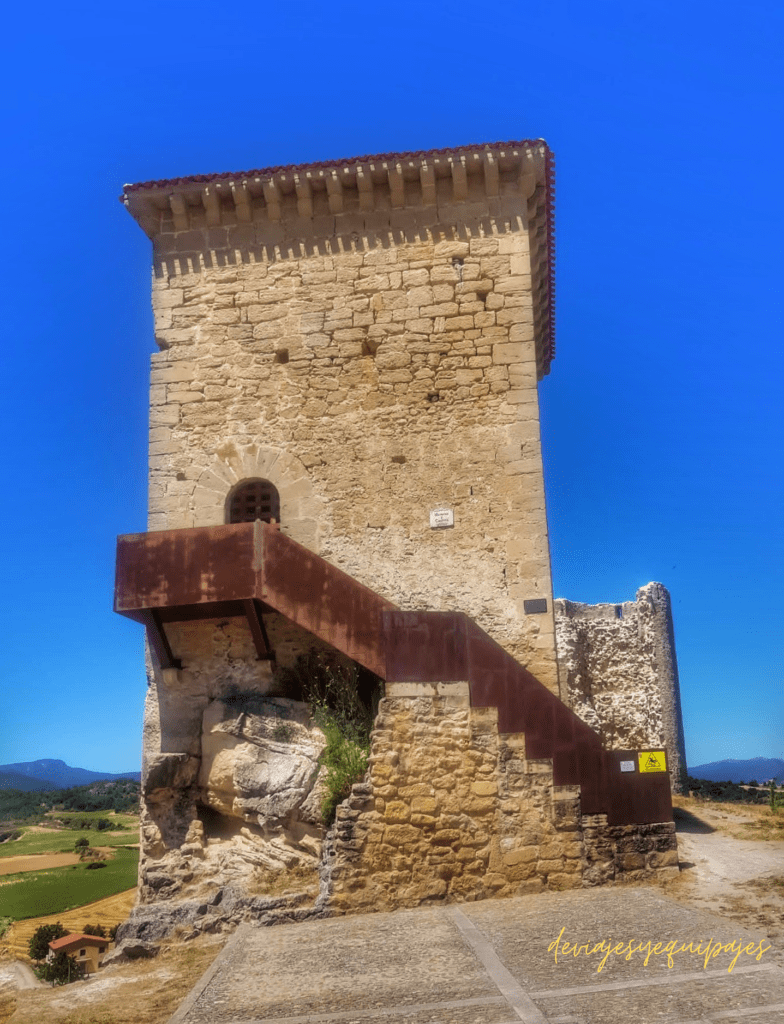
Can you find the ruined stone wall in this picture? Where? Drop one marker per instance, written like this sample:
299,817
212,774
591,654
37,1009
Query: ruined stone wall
370,386
450,810
619,672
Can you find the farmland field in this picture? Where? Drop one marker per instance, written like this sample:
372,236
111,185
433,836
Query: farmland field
41,881
46,838
107,912
51,891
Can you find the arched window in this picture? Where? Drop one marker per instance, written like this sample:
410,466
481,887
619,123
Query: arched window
255,499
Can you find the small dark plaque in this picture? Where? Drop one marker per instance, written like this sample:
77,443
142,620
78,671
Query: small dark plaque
535,607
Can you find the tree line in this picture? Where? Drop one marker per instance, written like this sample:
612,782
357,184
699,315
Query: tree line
726,791
120,795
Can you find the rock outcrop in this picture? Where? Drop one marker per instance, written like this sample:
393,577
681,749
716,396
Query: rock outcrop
258,765
250,804
149,925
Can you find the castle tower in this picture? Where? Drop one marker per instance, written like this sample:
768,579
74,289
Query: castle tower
345,456
356,346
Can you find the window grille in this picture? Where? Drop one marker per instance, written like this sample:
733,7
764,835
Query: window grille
258,499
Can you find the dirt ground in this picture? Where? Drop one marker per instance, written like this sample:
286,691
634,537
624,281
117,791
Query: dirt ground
144,990
37,862
725,869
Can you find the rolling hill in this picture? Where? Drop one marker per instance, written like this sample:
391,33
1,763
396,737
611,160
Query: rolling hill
759,768
50,773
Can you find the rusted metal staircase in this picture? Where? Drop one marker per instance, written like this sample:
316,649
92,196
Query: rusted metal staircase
250,569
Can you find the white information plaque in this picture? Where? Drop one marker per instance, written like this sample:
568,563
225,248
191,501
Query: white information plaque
627,766
440,518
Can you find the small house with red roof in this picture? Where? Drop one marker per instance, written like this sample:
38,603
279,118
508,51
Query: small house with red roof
87,950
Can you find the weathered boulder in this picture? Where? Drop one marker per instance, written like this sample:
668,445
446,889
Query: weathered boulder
260,762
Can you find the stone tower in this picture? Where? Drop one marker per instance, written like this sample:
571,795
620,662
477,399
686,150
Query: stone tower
366,336
345,456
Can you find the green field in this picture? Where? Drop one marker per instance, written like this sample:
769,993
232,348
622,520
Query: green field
63,840
54,890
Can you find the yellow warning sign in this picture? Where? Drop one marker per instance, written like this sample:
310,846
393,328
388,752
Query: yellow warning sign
652,761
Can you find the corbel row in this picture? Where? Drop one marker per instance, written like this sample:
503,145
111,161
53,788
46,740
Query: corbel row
365,178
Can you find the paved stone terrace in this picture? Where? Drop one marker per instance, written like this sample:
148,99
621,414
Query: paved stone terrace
490,963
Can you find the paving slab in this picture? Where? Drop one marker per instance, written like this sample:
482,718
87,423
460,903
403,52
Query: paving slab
498,962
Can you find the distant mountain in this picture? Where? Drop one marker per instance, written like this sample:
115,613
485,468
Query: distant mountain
759,768
53,774
14,780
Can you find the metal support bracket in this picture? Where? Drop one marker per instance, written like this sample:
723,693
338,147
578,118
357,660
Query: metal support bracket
158,640
260,639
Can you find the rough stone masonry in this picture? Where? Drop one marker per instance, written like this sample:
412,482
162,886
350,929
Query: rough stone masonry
364,339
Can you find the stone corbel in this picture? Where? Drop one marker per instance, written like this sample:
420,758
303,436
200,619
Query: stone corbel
491,174
427,178
180,213
527,184
241,197
334,192
272,198
211,203
528,175
364,187
304,189
396,185
459,180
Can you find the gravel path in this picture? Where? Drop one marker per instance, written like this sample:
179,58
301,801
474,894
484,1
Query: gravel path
19,976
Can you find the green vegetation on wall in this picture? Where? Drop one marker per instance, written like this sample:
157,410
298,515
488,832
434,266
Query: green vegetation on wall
343,701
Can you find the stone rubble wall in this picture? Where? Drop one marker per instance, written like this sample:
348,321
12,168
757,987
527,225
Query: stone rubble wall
619,673
632,852
370,383
450,810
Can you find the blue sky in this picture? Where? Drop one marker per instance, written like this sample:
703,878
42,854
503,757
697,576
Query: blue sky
661,419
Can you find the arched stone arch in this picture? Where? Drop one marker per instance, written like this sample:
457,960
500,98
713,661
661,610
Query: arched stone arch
302,509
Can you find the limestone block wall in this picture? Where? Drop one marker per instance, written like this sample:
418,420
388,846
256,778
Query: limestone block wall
409,382
450,810
619,672
374,362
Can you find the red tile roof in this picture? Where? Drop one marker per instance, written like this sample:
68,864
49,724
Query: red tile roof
77,939
195,178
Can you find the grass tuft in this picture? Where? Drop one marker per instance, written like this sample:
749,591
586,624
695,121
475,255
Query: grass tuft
343,701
